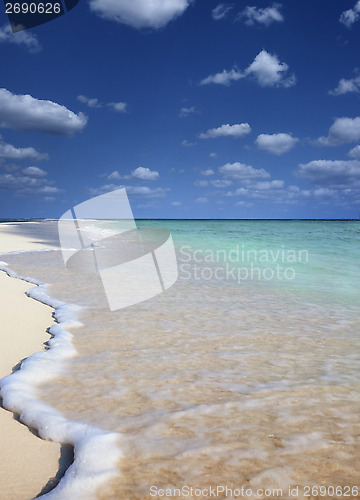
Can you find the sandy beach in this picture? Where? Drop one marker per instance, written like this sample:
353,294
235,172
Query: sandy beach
28,464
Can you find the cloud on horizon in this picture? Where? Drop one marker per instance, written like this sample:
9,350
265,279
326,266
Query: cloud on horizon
29,181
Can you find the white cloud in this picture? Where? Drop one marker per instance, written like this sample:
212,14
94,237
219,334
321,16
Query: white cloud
342,131
30,181
349,17
201,200
266,185
140,13
276,144
207,172
90,102
355,152
201,184
135,191
226,130
141,173
266,69
241,171
176,204
93,102
145,174
266,16
221,11
221,183
330,172
24,112
347,86
34,172
224,78
213,155
184,112
12,153
188,144
24,38
119,107
269,71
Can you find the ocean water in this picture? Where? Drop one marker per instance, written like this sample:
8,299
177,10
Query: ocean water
243,374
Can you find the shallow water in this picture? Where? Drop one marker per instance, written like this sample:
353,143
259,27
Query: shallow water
221,381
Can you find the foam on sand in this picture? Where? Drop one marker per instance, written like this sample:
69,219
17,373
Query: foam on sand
19,394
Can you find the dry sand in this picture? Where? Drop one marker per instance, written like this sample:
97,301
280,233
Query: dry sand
27,463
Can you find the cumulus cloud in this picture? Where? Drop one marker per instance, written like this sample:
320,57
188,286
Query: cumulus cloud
266,16
342,131
224,78
201,184
266,70
188,144
90,102
184,112
24,112
140,13
30,181
145,174
241,171
134,191
355,152
201,200
140,173
7,151
34,172
347,86
207,172
330,172
221,183
349,17
119,107
276,144
93,102
226,130
23,38
266,185
221,11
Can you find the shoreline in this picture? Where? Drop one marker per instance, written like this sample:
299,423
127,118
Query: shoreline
29,465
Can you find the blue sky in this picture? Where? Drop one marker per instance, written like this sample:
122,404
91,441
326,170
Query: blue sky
201,109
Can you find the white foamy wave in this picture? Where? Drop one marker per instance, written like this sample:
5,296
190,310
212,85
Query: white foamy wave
95,451
97,233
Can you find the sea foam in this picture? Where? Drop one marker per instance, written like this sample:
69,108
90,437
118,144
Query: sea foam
19,394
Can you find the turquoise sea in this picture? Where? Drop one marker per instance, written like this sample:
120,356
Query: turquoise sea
244,374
